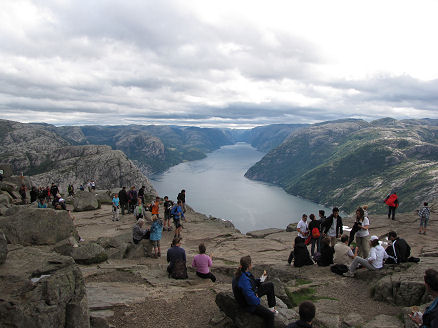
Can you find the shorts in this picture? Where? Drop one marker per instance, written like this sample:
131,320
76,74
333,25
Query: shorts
177,223
166,216
423,222
155,243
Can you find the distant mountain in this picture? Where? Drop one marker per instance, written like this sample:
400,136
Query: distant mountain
350,162
40,151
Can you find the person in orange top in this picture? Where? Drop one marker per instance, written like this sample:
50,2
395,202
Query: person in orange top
156,206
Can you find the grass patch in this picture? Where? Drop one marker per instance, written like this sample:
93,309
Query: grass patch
227,262
300,282
305,294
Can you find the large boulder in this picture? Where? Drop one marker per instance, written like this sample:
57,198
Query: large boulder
36,226
5,199
104,196
6,170
263,233
242,319
85,201
291,227
89,254
42,290
3,248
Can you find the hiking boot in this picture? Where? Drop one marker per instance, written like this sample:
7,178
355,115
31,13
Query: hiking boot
159,254
273,310
348,274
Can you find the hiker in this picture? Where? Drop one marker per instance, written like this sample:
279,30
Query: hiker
54,189
429,319
141,193
392,201
315,233
33,194
138,233
322,219
302,228
247,291
202,264
300,255
326,257
167,207
116,206
343,256
373,262
177,213
58,203
89,185
176,257
182,197
424,215
22,192
155,207
81,187
132,199
139,211
71,190
363,234
307,312
123,196
333,226
93,185
156,231
399,251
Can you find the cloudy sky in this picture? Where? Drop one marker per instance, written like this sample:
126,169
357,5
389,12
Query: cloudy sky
217,63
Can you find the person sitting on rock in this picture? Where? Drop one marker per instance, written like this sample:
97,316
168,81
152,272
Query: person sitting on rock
399,251
247,291
307,312
138,233
202,264
326,257
176,257
300,255
156,232
373,262
343,256
42,203
429,319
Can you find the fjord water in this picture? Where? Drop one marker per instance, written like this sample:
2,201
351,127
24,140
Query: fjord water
216,186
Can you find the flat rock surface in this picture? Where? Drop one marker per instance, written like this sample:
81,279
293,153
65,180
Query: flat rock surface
263,233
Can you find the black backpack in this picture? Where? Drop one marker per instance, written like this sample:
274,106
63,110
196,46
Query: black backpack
179,270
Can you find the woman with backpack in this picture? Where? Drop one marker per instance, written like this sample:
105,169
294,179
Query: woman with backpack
315,233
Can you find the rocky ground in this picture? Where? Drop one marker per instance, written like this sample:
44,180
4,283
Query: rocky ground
138,293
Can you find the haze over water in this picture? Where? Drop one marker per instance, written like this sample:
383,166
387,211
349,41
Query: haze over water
216,186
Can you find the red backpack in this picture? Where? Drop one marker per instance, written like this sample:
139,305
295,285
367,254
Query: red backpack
315,233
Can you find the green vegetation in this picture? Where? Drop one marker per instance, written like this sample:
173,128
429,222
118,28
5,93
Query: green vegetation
304,294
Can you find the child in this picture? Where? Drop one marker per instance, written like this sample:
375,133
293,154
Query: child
202,263
155,237
116,202
424,214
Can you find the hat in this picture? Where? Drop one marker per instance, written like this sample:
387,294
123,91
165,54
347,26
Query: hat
374,238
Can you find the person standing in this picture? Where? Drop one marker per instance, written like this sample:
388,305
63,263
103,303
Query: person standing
141,193
132,199
123,196
167,207
116,206
33,194
392,201
363,234
182,197
424,215
155,237
155,210
22,193
333,226
302,228
315,232
139,211
178,214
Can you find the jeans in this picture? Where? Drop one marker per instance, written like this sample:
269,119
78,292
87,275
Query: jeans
316,241
391,209
266,288
206,276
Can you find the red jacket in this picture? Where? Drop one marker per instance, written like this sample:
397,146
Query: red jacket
392,200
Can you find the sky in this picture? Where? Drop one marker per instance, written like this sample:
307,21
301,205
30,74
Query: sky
217,63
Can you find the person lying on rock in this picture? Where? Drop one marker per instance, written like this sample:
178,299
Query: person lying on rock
247,291
300,255
138,232
373,262
202,263
428,319
399,251
307,314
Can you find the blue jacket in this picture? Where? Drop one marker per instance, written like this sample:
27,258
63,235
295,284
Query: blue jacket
156,230
177,212
244,290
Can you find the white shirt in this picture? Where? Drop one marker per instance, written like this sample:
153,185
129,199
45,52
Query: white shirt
377,255
303,228
332,230
364,232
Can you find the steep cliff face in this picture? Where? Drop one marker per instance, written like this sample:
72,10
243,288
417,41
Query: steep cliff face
349,163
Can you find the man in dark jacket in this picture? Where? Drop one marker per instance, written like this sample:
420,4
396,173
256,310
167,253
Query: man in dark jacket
123,197
399,251
307,314
333,226
182,197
